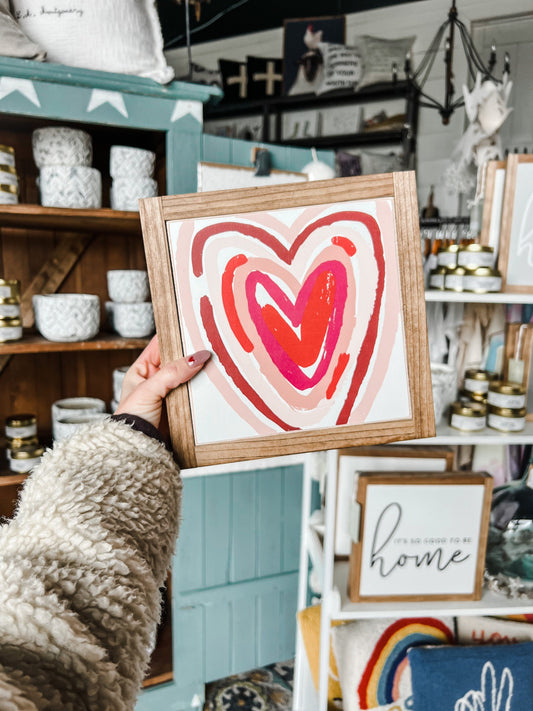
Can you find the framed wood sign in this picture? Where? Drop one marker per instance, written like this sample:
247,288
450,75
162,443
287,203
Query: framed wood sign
310,298
516,235
353,461
493,204
218,176
423,536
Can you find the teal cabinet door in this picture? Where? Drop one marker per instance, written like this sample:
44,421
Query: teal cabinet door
234,580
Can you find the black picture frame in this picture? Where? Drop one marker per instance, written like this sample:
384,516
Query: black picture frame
301,77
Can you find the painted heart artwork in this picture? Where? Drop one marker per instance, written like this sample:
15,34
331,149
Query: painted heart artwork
301,308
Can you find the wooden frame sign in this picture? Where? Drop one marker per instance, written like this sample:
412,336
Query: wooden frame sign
310,298
516,235
422,536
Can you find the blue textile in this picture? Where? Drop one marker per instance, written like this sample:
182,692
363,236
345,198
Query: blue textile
480,678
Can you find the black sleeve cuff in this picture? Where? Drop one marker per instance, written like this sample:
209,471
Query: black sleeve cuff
141,425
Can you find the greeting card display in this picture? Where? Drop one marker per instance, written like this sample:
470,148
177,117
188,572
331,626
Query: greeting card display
310,298
422,536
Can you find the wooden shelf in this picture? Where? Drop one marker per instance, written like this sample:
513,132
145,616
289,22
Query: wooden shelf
374,92
499,297
102,342
10,479
491,603
450,436
357,139
64,219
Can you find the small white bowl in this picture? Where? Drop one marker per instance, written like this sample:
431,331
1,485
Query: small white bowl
133,320
128,285
67,317
125,193
65,426
70,186
125,161
118,379
60,145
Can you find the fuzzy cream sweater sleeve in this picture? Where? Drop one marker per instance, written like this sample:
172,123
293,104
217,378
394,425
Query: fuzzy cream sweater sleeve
81,565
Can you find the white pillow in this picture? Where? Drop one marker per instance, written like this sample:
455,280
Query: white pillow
343,67
371,658
108,35
379,55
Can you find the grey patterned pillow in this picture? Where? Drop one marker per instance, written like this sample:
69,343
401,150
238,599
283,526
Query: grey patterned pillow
13,41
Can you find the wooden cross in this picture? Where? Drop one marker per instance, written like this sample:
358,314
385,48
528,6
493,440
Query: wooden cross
241,79
270,77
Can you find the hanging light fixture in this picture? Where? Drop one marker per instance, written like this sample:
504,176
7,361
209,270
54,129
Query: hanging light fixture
475,65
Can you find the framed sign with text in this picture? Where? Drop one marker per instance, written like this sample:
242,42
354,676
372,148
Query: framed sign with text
422,536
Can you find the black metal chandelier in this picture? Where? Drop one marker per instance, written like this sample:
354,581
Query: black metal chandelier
475,65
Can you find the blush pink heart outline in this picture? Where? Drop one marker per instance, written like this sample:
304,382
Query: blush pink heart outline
287,255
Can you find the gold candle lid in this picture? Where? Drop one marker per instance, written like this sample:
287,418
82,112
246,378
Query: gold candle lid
499,386
7,321
476,247
8,169
507,411
8,188
29,452
21,420
468,409
8,300
18,442
7,149
482,272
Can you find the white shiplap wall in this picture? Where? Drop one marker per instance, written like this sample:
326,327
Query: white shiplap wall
435,141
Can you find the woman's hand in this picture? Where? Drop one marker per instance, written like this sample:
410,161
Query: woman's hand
147,383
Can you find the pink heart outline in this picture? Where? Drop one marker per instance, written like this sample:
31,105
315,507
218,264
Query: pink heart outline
287,255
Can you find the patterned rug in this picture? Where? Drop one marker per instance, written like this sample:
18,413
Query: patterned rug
265,689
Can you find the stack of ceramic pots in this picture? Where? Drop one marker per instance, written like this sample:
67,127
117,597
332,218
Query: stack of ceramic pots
130,313
132,171
66,178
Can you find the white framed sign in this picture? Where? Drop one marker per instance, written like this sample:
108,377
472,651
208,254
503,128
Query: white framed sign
422,536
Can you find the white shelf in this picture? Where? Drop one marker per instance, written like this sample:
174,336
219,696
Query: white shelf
449,435
466,297
491,603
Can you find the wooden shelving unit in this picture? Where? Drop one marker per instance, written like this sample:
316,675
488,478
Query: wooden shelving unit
33,343
36,217
277,106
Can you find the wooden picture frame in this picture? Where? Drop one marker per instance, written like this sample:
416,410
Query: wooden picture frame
519,346
298,46
220,176
516,236
423,536
352,461
493,205
219,265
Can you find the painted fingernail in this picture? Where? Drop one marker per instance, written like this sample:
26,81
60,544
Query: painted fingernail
198,358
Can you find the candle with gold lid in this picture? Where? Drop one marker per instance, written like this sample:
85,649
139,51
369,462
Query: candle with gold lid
506,419
447,256
10,289
474,255
482,280
509,395
468,416
454,278
24,459
10,329
9,307
21,425
8,194
7,155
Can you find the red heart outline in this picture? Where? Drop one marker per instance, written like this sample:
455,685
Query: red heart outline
287,255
